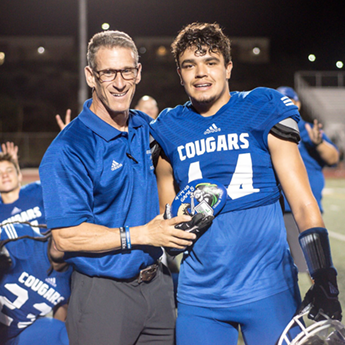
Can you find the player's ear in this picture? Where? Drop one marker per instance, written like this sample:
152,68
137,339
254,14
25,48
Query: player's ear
90,77
179,74
228,69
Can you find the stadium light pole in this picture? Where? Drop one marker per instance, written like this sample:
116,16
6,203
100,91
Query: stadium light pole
82,92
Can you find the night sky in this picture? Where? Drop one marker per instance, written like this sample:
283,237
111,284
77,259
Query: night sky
294,27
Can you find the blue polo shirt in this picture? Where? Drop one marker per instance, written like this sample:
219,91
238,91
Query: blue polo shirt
94,173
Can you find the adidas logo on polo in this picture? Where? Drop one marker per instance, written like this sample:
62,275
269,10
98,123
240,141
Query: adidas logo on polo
115,165
287,101
212,129
51,281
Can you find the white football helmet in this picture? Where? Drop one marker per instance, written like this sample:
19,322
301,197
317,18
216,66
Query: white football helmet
325,332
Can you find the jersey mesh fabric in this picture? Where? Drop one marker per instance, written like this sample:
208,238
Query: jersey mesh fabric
244,255
28,207
27,291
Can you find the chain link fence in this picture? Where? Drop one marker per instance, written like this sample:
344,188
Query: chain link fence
32,146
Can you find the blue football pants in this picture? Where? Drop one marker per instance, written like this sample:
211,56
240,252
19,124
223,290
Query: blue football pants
261,322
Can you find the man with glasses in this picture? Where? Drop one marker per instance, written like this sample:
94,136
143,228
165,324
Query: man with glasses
101,200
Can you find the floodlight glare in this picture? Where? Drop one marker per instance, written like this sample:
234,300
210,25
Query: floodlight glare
161,51
41,50
2,58
256,51
339,64
311,57
105,26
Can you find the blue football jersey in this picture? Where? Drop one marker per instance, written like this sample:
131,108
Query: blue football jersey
244,255
229,147
27,290
28,207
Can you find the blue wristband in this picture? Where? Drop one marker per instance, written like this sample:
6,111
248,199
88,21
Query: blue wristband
128,237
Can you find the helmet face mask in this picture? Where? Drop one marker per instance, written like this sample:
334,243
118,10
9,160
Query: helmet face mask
325,332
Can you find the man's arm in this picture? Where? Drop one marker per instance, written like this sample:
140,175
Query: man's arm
88,237
328,153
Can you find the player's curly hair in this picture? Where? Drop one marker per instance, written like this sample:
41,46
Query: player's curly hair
201,35
109,39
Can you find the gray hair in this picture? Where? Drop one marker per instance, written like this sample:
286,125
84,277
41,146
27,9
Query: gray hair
109,39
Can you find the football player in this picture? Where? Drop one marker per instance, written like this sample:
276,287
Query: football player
19,204
35,281
240,273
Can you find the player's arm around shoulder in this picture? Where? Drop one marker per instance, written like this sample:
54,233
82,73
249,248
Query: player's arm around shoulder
290,169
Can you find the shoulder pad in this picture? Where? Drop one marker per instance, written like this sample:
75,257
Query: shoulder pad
286,129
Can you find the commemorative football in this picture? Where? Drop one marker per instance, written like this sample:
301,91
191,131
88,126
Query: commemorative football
200,196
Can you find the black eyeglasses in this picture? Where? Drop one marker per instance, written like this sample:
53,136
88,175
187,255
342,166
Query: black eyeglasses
110,74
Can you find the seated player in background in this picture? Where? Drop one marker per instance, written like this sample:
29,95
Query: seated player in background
17,203
34,280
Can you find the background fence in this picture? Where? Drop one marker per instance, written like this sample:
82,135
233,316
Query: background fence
32,146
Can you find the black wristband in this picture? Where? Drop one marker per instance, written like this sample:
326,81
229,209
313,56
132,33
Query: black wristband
123,239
